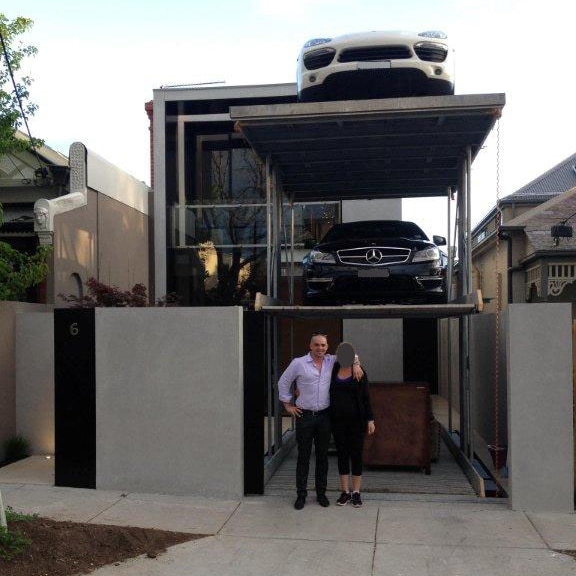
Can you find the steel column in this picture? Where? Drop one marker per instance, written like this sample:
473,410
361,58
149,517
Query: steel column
448,321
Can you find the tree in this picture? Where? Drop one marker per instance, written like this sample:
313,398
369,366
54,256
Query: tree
15,106
20,271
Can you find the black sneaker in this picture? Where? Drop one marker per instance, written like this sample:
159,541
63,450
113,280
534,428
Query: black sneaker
344,499
300,501
356,500
322,500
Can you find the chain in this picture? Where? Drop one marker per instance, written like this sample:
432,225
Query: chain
498,223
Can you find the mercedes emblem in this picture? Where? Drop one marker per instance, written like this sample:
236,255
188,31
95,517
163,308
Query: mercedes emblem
373,256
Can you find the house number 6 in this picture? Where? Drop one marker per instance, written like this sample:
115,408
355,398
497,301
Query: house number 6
74,329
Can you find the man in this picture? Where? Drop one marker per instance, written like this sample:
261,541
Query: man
311,374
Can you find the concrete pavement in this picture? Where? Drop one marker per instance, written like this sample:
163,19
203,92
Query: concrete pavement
390,535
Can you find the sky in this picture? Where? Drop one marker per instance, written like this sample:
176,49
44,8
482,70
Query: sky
99,62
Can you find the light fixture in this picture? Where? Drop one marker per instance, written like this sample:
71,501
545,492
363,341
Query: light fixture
562,230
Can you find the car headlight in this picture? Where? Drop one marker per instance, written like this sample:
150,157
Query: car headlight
426,255
434,34
322,257
316,42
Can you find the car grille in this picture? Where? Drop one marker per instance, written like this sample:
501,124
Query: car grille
374,256
375,53
319,58
431,52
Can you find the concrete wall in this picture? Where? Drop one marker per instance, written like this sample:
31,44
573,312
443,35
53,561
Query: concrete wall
379,342
35,380
482,382
540,407
169,397
8,313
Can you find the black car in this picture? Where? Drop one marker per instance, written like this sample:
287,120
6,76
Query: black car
377,261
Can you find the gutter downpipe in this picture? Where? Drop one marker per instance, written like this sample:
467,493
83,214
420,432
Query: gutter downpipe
509,269
45,210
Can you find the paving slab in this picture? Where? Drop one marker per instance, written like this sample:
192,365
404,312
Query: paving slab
74,504
456,526
413,560
277,518
8,487
235,556
176,513
37,470
558,530
489,504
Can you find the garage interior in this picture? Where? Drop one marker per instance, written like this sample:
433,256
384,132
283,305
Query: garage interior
393,148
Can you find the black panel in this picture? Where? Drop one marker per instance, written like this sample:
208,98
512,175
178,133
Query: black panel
75,398
421,351
254,401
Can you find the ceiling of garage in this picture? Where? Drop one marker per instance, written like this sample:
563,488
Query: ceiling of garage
401,147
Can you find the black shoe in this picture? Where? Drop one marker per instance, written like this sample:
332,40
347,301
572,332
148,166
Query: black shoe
300,501
344,499
322,500
356,500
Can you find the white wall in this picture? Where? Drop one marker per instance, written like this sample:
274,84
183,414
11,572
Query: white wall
169,400
389,209
540,407
35,380
9,311
378,341
379,346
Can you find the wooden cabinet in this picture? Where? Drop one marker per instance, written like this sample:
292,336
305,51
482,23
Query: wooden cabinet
402,414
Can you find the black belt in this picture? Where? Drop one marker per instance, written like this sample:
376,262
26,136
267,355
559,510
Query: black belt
313,412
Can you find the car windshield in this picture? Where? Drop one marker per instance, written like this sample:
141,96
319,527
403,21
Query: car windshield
374,229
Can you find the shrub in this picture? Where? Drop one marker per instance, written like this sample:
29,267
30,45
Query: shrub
16,448
102,295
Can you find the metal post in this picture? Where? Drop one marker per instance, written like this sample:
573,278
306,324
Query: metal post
268,227
470,414
270,385
448,320
292,267
181,185
277,194
469,218
462,290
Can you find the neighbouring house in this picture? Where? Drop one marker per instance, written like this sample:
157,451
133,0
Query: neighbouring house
93,214
24,178
95,217
525,263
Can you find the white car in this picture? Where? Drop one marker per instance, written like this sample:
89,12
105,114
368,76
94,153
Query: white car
375,65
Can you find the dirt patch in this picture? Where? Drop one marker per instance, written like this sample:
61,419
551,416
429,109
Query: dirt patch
71,548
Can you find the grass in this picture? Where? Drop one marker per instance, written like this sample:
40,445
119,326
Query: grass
13,542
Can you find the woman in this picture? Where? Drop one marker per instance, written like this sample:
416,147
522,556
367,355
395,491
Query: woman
351,418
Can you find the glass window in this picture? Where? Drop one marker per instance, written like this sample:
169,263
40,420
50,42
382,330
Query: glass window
311,222
220,225
229,172
210,275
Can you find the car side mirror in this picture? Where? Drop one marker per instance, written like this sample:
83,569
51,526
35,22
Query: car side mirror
439,240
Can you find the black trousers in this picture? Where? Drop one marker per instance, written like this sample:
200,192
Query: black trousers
349,442
310,429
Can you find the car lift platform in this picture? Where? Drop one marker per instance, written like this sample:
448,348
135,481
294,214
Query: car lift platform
275,307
